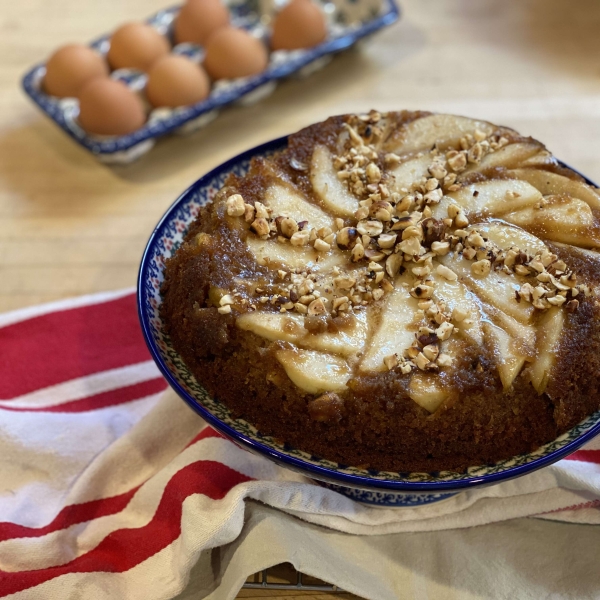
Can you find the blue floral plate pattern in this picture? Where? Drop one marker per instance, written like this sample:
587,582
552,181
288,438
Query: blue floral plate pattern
348,22
376,487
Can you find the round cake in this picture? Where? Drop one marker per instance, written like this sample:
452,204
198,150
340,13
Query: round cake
399,291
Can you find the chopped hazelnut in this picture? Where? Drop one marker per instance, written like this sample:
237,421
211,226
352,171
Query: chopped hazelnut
346,237
321,246
260,226
431,351
372,228
444,360
316,307
358,252
446,273
390,361
235,205
410,246
393,264
373,173
461,220
262,211
444,331
422,291
459,314
387,240
481,268
300,238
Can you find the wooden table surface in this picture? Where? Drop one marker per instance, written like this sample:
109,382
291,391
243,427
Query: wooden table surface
70,226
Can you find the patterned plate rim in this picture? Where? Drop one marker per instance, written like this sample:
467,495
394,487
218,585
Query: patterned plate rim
321,469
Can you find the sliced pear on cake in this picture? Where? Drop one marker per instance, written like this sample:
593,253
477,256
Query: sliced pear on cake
409,172
456,296
549,330
289,327
540,160
428,391
285,327
561,219
441,130
506,235
286,201
497,288
523,336
496,197
271,253
508,362
397,326
508,157
332,192
314,372
550,184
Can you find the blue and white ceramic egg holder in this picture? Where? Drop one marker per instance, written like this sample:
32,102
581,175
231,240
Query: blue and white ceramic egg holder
348,21
373,487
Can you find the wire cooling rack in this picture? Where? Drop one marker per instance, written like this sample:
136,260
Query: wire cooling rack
300,584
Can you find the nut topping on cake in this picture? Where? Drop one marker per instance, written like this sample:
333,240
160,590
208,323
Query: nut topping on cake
423,236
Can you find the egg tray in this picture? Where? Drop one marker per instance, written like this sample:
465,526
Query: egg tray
347,22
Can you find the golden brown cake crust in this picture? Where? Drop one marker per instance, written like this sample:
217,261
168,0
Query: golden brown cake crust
373,422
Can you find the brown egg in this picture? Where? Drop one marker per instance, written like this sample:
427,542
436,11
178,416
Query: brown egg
70,68
197,19
232,53
300,24
136,46
109,107
176,81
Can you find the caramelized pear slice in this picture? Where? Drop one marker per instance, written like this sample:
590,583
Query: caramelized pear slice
427,391
550,184
332,192
562,219
549,330
289,327
397,327
314,372
441,130
506,235
287,202
271,253
523,336
497,288
410,171
508,362
285,327
455,295
508,156
496,197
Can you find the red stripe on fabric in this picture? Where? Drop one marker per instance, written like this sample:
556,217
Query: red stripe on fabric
123,549
70,515
591,456
207,432
590,504
110,398
68,344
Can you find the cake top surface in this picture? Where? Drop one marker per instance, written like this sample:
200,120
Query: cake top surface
393,242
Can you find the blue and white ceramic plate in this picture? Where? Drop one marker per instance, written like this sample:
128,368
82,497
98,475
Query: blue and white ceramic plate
348,21
377,487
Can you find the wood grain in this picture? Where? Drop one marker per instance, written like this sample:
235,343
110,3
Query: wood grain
70,226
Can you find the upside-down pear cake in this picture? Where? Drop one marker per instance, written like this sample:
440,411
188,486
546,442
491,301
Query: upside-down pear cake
404,291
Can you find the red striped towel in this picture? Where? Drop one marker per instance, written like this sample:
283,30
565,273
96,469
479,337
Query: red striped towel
110,487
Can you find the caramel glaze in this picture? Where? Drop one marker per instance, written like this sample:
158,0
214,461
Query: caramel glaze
379,425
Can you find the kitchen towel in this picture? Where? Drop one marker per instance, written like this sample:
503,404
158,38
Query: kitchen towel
110,486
